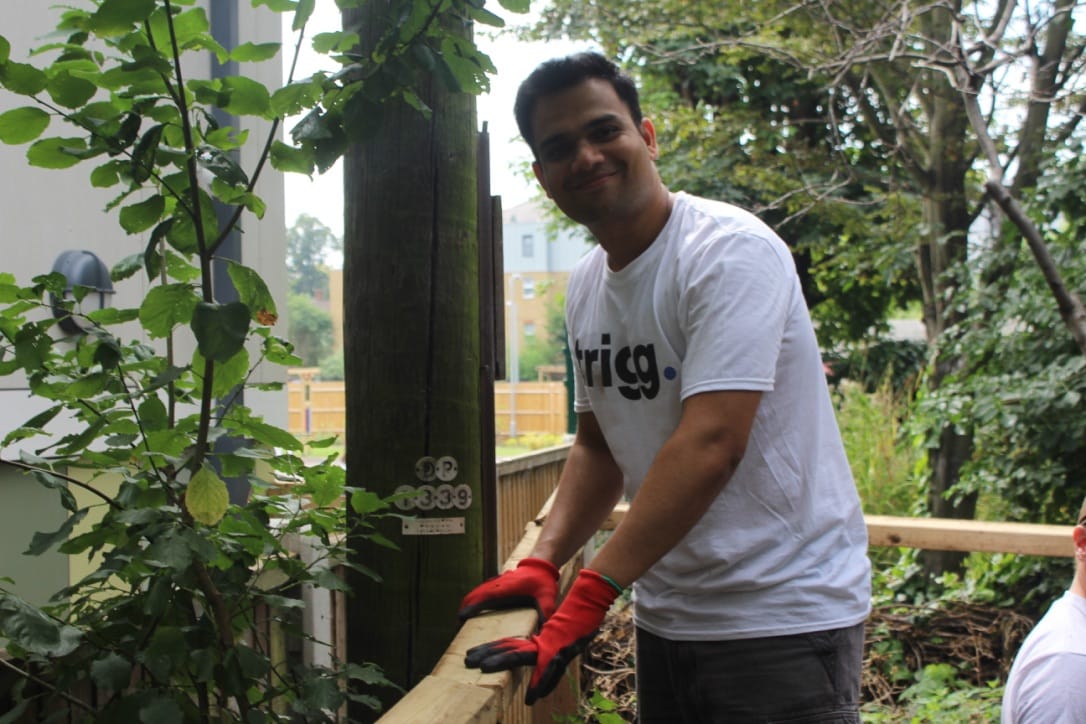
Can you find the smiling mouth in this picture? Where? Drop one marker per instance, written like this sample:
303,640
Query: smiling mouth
594,182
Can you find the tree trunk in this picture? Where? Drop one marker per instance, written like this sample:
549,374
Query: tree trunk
412,367
942,262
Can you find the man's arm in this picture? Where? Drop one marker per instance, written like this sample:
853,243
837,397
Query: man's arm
688,473
590,485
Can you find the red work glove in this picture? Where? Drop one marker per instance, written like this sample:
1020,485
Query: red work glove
563,637
534,582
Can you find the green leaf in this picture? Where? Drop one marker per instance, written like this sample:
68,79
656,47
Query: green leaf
279,6
143,215
253,292
56,152
166,307
340,41
267,434
42,542
152,414
32,630
302,14
289,159
207,498
108,351
221,165
31,349
365,502
88,385
325,483
314,126
70,91
23,79
220,329
115,17
280,352
126,267
161,710
183,234
152,255
44,418
5,49
169,551
228,374
247,97
22,125
292,99
111,672
515,6
484,16
113,315
254,52
165,652
143,156
106,175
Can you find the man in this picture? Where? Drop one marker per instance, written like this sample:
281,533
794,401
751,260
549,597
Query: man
1047,683
700,395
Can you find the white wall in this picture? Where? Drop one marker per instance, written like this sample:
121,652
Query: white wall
45,212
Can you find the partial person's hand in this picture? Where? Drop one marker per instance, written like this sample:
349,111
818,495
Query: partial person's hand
533,583
563,637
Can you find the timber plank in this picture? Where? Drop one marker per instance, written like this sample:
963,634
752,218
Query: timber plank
437,700
943,534
946,534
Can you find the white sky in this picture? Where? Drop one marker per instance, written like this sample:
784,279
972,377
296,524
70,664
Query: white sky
322,196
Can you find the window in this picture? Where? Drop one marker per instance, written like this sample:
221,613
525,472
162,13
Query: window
527,246
529,329
528,288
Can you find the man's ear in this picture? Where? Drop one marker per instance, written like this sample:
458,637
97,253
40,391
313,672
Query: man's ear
538,171
648,134
1079,536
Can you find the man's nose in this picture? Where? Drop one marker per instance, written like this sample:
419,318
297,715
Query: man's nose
586,156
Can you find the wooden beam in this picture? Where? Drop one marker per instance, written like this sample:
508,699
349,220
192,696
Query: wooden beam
942,534
945,534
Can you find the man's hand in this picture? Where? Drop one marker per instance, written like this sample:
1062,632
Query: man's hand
563,637
533,583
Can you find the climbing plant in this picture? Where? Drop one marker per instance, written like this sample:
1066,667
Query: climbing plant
165,626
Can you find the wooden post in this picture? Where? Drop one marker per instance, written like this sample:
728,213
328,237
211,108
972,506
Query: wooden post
412,362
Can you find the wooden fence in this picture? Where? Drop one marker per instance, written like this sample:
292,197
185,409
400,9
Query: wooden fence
317,407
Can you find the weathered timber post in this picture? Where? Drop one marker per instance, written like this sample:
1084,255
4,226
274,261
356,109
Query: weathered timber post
412,364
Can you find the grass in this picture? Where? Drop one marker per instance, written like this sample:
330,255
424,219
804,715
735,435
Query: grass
884,463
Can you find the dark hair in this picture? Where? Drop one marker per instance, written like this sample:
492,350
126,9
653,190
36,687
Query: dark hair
559,74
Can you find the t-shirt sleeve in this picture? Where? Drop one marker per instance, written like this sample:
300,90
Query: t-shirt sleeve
1053,693
734,307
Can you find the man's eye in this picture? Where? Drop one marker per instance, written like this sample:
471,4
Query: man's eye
605,133
556,152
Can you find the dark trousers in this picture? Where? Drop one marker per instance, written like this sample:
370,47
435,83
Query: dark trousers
812,677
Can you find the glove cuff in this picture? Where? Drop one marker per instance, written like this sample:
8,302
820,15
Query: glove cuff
540,564
596,588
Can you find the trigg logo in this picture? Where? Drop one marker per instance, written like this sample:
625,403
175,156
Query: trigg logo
635,367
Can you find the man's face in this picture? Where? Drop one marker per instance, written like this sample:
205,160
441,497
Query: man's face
592,159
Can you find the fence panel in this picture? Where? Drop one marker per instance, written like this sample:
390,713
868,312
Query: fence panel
317,407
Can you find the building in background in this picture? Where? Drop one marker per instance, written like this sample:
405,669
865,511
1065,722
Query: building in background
48,213
539,252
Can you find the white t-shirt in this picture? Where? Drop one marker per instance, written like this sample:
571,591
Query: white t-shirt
715,304
1047,683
